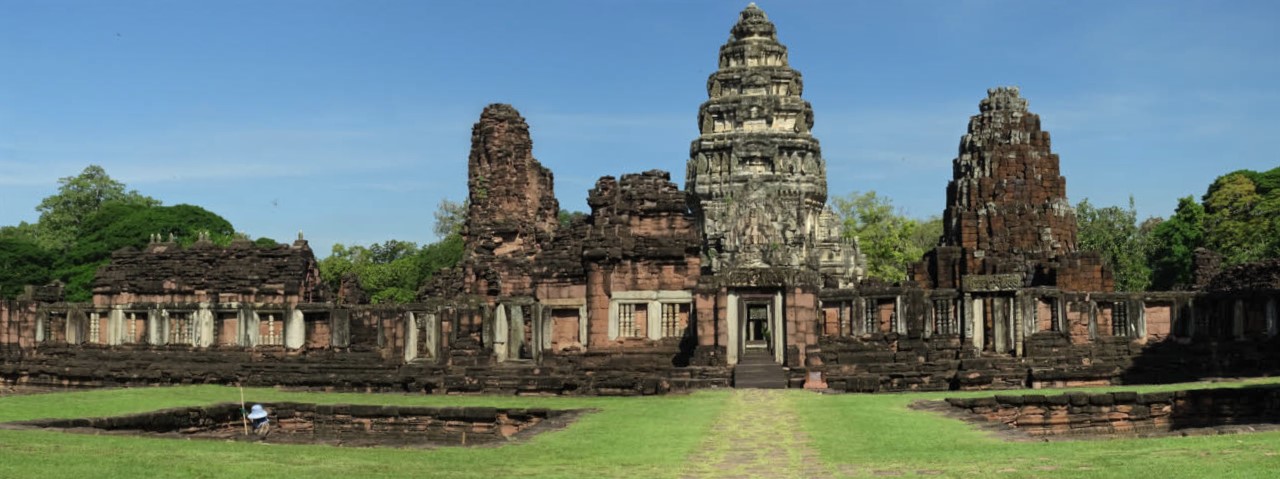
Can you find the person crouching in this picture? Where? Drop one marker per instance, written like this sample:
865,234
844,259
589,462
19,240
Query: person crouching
258,421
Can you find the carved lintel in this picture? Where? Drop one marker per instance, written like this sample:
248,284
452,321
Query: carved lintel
992,282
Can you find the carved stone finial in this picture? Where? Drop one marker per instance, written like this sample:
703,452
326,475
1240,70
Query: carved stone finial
300,234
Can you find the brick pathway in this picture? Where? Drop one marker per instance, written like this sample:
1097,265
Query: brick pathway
758,435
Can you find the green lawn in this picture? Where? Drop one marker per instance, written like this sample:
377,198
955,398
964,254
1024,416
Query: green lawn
855,435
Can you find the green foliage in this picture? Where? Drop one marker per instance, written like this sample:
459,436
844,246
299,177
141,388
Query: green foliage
62,215
393,271
450,216
889,240
1242,216
265,242
119,225
1114,233
1173,245
22,262
566,217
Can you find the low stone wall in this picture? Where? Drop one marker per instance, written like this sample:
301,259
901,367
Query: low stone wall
892,362
1126,413
340,423
601,372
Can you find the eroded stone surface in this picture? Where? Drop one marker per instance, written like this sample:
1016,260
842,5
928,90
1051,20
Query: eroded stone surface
1007,211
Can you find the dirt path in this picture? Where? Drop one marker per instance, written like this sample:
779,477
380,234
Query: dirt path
758,435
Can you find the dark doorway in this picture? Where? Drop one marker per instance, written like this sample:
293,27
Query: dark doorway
757,326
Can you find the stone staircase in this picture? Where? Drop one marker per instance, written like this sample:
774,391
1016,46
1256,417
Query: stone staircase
756,369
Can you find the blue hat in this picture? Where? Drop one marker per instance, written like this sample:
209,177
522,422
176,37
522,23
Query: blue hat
257,412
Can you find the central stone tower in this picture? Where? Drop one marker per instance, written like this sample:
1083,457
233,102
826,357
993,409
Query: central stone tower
756,179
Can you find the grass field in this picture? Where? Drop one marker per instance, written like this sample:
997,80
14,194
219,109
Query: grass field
652,437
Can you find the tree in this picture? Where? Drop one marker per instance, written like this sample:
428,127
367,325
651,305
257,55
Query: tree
393,271
1173,245
22,262
62,215
1115,234
1241,219
889,240
130,224
566,217
450,216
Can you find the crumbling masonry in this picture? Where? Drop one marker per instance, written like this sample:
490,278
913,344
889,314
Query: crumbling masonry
740,279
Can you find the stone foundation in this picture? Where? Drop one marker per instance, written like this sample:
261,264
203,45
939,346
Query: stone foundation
339,424
1201,411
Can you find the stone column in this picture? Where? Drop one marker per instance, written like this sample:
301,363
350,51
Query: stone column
613,319
653,319
500,331
295,330
583,320
157,327
115,326
1140,326
410,337
974,317
1237,320
430,333
204,324
779,333
1018,303
731,320
1271,317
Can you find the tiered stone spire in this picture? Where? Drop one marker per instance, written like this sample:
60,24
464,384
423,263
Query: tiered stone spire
1007,211
756,178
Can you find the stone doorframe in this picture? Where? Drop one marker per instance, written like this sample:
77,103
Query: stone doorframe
736,323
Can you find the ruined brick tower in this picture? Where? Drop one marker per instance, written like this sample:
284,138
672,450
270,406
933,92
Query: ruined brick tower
512,208
1007,217
756,179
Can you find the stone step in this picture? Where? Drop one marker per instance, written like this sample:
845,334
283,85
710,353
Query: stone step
756,369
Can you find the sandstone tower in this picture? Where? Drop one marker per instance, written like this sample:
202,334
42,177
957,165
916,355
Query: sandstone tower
512,208
1007,212
756,179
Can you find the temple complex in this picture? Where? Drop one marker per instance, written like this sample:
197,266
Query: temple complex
743,278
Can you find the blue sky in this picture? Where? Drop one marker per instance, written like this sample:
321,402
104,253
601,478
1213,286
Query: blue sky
351,120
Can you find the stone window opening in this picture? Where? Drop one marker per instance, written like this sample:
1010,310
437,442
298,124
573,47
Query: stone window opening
270,330
869,324
181,328
627,321
135,327
943,321
226,328
1120,326
1054,324
95,328
319,332
54,328
673,323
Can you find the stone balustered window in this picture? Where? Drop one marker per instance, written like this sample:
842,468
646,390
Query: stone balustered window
1120,325
135,327
1054,324
270,329
671,326
182,328
627,321
870,319
943,321
95,328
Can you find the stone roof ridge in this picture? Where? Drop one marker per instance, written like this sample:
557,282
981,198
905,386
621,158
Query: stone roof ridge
753,22
1003,98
